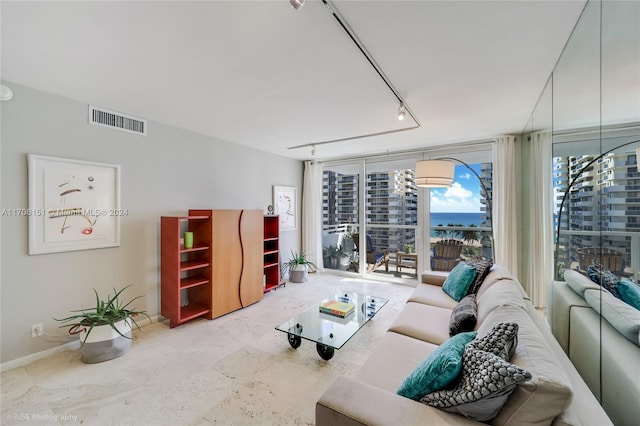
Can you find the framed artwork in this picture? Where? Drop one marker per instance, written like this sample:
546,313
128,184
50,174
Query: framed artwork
284,200
73,205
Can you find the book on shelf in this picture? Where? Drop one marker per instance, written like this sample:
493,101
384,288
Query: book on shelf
337,308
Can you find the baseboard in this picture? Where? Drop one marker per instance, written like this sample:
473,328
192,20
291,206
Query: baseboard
27,359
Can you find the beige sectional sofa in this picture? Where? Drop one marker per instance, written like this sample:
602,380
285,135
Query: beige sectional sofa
556,394
605,348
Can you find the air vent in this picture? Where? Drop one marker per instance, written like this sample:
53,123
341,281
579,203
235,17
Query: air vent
116,120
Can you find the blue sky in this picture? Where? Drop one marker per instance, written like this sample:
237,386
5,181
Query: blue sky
462,197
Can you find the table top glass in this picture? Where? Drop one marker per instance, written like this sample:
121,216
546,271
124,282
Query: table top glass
331,330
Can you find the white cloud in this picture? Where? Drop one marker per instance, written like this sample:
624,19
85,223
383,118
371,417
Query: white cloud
454,199
465,176
457,191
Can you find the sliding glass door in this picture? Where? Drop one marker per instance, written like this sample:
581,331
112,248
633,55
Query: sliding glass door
340,216
375,222
391,219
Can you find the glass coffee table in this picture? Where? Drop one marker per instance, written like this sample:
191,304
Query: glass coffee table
331,332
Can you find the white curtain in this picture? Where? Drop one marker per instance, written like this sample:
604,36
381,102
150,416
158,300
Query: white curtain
312,212
539,263
504,202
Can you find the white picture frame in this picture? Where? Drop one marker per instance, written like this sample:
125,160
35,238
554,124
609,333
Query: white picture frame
73,205
285,205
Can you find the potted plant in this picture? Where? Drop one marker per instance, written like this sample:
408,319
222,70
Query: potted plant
408,248
333,256
297,267
104,330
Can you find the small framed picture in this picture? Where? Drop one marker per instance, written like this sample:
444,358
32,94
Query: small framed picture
73,205
285,202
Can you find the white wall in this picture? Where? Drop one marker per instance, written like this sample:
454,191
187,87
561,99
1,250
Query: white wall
165,173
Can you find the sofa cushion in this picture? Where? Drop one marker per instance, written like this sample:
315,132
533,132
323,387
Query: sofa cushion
545,396
459,281
424,322
393,359
629,292
464,316
439,369
428,294
486,382
483,267
624,318
604,277
497,274
501,340
578,282
502,293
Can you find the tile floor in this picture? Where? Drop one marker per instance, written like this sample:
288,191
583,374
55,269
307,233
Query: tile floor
234,370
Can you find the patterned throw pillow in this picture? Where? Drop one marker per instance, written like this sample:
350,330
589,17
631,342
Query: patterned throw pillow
438,370
604,278
459,281
483,267
464,315
484,386
501,340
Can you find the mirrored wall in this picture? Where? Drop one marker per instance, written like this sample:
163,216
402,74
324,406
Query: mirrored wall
589,113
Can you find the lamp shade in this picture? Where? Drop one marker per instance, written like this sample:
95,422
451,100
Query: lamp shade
434,173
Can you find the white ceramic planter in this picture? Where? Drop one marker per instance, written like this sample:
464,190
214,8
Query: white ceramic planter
298,274
104,343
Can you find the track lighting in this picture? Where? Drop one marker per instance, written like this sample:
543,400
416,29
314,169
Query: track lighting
296,4
401,112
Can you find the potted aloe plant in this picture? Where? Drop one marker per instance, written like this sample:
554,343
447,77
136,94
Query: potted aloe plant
297,267
104,330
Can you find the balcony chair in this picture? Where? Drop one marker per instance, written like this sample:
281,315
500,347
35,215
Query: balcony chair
446,254
609,258
374,258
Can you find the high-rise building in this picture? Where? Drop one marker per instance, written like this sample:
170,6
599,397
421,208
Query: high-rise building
604,200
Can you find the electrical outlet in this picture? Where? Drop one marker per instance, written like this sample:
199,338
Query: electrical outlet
36,330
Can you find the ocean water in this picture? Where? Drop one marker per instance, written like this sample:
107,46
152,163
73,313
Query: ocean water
464,219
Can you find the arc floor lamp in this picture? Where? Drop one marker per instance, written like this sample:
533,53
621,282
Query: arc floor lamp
439,173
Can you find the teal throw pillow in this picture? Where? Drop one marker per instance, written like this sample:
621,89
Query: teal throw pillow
438,370
459,281
629,292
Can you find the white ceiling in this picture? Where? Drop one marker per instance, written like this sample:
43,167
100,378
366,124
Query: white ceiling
261,74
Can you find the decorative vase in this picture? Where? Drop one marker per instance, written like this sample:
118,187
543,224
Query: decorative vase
188,240
104,343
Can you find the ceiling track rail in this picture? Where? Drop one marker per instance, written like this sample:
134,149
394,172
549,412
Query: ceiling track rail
361,47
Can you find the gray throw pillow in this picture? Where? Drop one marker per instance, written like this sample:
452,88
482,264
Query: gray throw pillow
484,386
464,315
483,266
501,340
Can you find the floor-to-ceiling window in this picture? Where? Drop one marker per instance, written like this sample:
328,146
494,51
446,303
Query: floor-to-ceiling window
391,218
340,215
600,218
460,216
377,223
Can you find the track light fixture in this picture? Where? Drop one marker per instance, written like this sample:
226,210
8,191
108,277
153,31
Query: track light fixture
296,4
401,112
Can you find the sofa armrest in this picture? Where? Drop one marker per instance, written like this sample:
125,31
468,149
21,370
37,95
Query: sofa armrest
352,402
434,277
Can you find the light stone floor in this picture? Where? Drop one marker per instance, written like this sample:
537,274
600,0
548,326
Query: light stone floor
234,370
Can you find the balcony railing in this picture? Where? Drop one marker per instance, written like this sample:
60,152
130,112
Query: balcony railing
628,243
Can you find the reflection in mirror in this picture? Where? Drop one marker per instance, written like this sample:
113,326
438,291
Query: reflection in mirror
596,131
